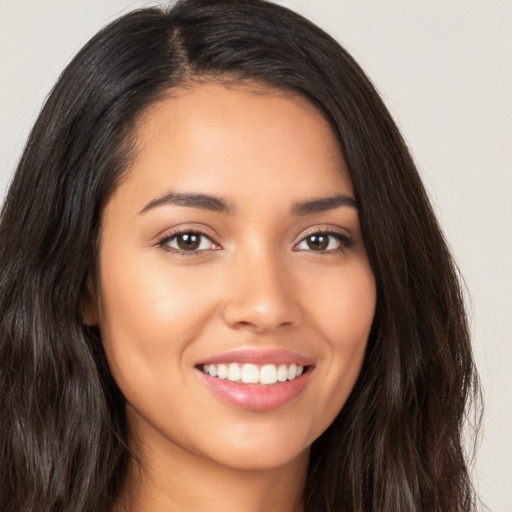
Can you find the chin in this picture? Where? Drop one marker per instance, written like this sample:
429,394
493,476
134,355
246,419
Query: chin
267,446
250,459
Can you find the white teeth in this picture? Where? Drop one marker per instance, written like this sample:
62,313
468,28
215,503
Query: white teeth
252,374
268,374
282,373
234,372
222,371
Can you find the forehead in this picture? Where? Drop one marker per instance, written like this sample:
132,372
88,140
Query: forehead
237,138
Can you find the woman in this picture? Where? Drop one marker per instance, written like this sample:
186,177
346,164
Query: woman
223,284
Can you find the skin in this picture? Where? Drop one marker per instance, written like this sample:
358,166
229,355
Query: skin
255,283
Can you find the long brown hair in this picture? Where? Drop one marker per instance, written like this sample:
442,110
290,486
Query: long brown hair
397,444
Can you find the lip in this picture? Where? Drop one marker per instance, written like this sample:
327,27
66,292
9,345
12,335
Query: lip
258,357
256,397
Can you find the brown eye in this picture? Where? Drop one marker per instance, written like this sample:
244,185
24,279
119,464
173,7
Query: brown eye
318,242
189,242
325,242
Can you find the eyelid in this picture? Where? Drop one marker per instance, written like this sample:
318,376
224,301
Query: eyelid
192,227
163,239
326,228
342,234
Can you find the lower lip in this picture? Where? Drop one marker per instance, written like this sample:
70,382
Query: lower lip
253,397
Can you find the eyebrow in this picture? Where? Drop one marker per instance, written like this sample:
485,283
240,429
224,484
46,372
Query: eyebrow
218,204
203,201
323,204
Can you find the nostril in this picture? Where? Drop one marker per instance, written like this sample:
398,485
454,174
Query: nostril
257,311
259,326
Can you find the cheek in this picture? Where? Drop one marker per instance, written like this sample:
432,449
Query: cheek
344,316
148,296
148,317
344,310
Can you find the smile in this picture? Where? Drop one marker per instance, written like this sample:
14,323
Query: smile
248,373
256,380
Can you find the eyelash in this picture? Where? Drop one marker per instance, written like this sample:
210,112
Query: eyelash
345,242
166,239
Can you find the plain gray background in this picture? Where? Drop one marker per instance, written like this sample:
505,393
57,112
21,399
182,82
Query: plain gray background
444,69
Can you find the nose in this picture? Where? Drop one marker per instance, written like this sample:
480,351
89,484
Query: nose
261,295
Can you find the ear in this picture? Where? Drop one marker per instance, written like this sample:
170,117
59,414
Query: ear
90,305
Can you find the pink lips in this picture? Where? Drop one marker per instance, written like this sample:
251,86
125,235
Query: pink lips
255,397
274,356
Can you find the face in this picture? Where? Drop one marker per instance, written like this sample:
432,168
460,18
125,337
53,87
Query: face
234,297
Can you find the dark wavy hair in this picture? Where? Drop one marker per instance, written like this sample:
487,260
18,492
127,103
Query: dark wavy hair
397,444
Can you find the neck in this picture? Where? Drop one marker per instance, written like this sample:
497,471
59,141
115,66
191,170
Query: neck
185,482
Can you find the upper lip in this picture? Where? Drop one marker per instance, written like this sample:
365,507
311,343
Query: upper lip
259,357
